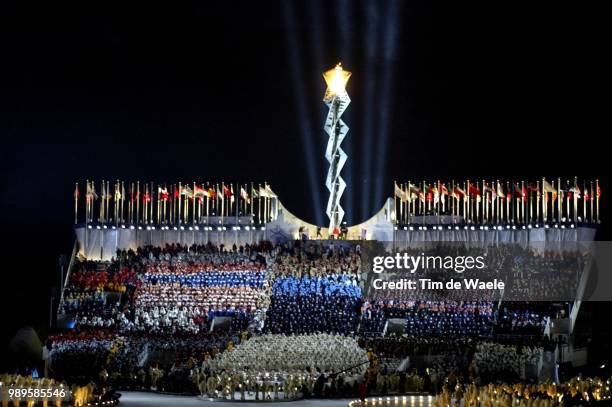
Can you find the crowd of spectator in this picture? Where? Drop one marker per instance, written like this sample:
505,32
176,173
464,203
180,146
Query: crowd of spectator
171,289
144,320
315,290
432,318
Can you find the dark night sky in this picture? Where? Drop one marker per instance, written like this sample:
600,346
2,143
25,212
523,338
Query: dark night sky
208,89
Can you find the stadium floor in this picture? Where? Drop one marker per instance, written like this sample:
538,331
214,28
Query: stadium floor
135,399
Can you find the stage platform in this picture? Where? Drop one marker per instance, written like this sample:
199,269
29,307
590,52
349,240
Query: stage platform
136,399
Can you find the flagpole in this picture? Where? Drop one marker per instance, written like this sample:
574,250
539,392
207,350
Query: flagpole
193,210
145,203
76,203
424,211
485,203
87,199
200,204
108,198
266,203
266,206
180,203
439,203
494,202
452,202
252,203
467,200
475,209
567,203
508,199
575,196
165,213
106,202
151,199
122,204
544,202
523,202
130,202
186,205
161,204
443,198
597,193
584,202
116,198
172,205
234,203
148,198
537,216
207,202
164,205
102,199
149,202
593,193
222,201
106,193
402,205
94,195
501,200
102,202
93,201
408,197
514,205
496,219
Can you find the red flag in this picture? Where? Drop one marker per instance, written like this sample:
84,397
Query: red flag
163,194
458,192
227,192
76,192
598,191
473,189
199,191
212,193
518,192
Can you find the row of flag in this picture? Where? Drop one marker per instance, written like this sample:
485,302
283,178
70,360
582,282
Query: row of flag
120,202
500,201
